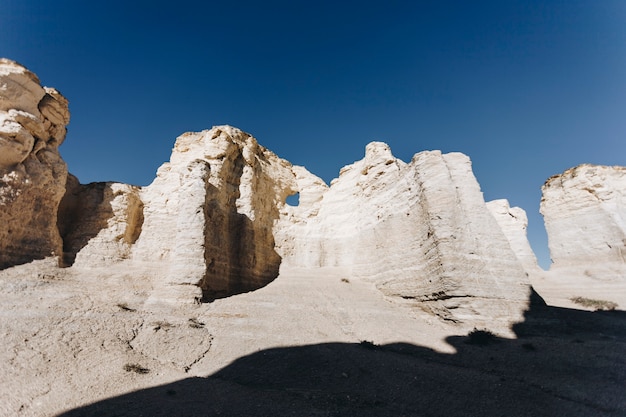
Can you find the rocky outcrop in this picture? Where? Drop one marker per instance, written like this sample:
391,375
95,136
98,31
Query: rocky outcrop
32,174
215,222
513,222
99,222
209,215
420,231
585,215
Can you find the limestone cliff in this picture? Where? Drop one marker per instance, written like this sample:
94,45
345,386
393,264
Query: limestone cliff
32,173
420,231
513,222
215,222
585,215
209,215
99,222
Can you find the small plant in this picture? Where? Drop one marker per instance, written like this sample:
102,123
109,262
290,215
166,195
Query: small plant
595,304
158,325
481,337
528,346
136,368
346,280
124,306
195,323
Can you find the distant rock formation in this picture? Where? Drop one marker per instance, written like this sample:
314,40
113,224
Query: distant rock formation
32,174
513,222
585,215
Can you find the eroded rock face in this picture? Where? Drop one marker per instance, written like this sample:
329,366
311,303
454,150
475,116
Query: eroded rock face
585,215
215,223
32,174
209,215
513,222
99,222
421,231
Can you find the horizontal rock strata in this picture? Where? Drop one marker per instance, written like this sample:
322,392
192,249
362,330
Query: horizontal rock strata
421,231
215,221
209,214
99,222
513,222
585,215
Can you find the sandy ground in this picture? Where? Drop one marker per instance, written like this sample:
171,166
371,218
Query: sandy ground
311,343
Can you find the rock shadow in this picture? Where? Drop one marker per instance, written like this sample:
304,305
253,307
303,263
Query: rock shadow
240,253
564,363
85,210
81,216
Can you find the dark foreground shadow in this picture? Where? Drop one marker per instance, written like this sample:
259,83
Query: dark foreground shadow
564,363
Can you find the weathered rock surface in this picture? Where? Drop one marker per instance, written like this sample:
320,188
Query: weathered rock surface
420,231
215,223
513,222
585,214
99,222
584,210
208,216
365,263
32,173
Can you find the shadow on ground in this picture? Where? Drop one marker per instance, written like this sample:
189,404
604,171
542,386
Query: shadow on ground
564,363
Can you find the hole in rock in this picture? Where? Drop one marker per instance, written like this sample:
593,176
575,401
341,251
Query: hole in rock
293,200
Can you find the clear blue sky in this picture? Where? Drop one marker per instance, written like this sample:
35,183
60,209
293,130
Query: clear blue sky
526,88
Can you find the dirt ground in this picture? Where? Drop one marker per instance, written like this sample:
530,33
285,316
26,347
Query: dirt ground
311,343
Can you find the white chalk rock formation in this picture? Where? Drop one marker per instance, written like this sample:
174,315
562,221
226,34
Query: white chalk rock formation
421,231
32,174
513,222
99,222
214,222
209,214
584,210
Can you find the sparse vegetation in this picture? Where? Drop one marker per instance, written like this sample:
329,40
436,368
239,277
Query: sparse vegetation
136,368
195,323
158,325
346,280
125,307
528,346
595,304
481,337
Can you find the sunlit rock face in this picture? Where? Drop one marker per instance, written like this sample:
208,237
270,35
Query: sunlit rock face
209,215
420,231
513,222
215,222
99,222
584,210
33,123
